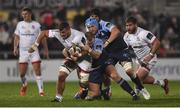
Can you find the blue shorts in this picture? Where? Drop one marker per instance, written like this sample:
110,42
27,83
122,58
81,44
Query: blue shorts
120,56
97,75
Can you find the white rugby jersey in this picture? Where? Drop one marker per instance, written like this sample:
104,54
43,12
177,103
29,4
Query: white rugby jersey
140,41
27,32
76,37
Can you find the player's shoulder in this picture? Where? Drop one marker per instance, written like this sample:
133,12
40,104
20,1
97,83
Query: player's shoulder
105,23
126,35
76,32
142,31
20,23
36,23
54,30
98,40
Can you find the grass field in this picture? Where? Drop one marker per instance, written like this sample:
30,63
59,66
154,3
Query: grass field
9,96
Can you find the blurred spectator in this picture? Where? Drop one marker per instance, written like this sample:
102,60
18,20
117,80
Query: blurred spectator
61,13
47,20
141,20
172,37
78,21
3,23
164,26
4,39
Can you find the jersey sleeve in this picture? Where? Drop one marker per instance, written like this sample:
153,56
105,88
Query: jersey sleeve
79,39
17,32
108,26
126,40
98,45
39,27
53,33
148,37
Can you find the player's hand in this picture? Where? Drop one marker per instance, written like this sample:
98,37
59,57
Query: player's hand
73,58
15,51
33,47
76,54
31,50
86,47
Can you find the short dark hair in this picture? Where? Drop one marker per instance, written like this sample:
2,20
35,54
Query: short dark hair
63,25
131,19
95,11
27,9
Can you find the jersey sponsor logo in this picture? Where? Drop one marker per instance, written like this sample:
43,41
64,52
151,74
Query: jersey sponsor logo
109,25
83,40
23,27
149,36
33,27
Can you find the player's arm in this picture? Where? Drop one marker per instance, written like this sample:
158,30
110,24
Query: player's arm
46,50
93,53
154,43
65,53
16,44
114,34
41,36
155,46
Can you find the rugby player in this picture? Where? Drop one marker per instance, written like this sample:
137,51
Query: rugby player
25,34
145,45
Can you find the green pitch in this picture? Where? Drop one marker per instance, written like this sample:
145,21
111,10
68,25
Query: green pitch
9,96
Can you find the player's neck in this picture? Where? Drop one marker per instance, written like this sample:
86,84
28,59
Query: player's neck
135,31
28,20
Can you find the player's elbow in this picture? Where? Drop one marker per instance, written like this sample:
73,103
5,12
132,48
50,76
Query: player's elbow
157,43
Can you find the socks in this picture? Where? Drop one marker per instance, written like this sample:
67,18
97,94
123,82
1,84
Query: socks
158,82
58,96
138,83
24,81
39,83
125,86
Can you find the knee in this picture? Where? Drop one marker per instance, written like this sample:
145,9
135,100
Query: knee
129,71
114,76
62,76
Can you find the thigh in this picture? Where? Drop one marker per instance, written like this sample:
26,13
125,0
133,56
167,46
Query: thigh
68,66
84,65
96,76
35,57
23,56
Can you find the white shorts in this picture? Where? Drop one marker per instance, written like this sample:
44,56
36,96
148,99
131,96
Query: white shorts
151,63
25,57
83,65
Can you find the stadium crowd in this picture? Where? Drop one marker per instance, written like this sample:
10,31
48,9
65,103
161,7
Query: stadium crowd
166,27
